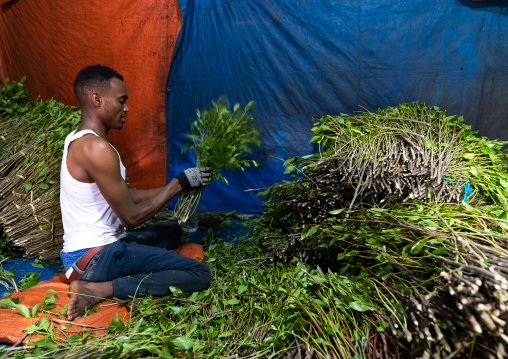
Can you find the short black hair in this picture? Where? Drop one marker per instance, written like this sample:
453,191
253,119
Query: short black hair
94,76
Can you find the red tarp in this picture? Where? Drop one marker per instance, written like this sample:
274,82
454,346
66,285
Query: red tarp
50,41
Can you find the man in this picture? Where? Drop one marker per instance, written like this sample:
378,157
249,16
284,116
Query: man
100,258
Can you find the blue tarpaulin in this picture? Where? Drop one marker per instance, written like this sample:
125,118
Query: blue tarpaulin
301,59
21,268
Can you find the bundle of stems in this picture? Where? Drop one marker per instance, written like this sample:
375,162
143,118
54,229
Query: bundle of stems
445,264
367,160
447,268
432,259
32,136
221,139
402,153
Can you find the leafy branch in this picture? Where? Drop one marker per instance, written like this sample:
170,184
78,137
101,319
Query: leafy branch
221,139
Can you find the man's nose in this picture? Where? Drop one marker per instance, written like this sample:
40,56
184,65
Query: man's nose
125,108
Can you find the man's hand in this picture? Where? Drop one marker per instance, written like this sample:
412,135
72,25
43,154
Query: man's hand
195,177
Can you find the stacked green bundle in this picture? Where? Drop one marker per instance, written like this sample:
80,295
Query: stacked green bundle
221,139
375,203
32,133
395,155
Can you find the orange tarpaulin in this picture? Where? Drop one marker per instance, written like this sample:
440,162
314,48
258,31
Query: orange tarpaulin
13,324
50,41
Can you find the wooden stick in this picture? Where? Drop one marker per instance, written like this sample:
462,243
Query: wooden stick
216,315
78,324
14,345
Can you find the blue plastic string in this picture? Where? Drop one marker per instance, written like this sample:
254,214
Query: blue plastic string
467,188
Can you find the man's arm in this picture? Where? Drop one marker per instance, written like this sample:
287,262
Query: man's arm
101,163
139,195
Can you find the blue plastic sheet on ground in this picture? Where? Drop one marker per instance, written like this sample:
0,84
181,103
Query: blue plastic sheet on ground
301,59
22,268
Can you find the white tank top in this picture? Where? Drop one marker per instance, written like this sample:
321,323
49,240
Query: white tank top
88,220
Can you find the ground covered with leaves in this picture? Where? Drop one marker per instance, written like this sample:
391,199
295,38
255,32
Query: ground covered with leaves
254,308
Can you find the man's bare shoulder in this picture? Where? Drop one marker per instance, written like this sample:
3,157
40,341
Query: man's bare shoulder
90,144
88,156
92,149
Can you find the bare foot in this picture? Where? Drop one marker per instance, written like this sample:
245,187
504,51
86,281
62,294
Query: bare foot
84,295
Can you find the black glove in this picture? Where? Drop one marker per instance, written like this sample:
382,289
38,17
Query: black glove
195,177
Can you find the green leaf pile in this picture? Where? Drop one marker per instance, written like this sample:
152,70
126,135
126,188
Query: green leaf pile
32,134
385,199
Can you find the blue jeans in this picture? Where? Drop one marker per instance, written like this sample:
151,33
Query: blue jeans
137,268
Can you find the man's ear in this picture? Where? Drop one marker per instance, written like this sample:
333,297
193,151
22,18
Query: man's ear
96,99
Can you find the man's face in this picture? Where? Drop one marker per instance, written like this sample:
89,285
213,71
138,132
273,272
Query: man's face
115,107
